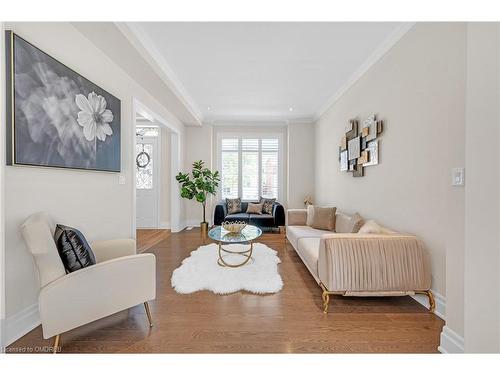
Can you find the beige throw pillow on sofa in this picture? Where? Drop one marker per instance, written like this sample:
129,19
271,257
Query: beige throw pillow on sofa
233,205
356,223
255,208
321,217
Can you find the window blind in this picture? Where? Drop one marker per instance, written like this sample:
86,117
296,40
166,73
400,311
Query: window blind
250,167
229,168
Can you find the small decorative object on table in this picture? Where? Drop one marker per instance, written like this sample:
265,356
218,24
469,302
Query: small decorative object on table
234,226
308,201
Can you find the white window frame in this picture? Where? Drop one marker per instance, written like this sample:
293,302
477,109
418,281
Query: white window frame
256,135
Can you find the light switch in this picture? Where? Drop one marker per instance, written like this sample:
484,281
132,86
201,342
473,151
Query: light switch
458,176
121,179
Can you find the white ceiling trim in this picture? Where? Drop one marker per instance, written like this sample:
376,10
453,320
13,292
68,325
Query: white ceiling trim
137,35
167,74
374,57
243,123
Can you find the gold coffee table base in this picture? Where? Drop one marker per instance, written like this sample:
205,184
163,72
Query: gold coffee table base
247,254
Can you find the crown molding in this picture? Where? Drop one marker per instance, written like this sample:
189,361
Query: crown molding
301,121
257,121
136,35
244,123
381,50
143,43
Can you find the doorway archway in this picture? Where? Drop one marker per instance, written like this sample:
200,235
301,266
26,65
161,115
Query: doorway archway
174,160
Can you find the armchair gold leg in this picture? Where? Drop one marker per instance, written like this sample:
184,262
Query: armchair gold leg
56,344
148,312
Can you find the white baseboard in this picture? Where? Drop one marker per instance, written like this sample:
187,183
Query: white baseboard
451,342
164,225
440,309
193,223
21,323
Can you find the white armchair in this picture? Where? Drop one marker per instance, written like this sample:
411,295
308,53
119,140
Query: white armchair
119,280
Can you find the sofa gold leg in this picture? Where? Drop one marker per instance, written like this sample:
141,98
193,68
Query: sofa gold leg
148,313
432,302
326,299
55,349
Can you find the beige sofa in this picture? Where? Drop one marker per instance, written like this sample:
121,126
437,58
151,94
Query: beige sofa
354,264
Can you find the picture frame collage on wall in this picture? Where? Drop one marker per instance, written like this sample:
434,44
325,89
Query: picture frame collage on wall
359,147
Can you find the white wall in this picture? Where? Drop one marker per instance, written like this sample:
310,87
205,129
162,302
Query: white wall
201,144
90,201
165,177
482,196
198,146
417,88
2,198
455,196
301,146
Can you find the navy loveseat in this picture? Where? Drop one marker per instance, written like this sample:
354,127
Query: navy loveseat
275,220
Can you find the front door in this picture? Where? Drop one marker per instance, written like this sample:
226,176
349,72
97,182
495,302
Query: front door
147,181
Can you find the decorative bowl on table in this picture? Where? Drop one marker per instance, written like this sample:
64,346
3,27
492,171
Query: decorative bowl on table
234,226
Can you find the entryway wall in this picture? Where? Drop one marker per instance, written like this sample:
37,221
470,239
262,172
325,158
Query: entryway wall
165,178
147,187
161,179
173,158
95,202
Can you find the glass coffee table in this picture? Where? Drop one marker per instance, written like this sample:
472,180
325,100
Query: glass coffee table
224,237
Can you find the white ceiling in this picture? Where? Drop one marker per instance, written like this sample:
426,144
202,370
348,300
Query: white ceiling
118,43
257,71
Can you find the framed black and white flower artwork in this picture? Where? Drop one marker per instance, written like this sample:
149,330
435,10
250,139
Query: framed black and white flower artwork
56,117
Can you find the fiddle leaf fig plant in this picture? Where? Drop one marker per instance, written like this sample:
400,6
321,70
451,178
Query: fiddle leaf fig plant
199,184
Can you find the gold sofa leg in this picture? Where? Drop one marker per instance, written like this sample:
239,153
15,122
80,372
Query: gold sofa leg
325,297
432,301
56,344
148,312
326,300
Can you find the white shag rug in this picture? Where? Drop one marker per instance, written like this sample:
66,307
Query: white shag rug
201,272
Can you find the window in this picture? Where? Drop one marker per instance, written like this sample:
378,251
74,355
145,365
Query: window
250,167
269,183
229,184
144,176
144,151
147,131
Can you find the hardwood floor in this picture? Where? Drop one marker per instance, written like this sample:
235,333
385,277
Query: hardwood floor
290,321
147,238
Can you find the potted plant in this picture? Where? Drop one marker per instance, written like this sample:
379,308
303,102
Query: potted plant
199,185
